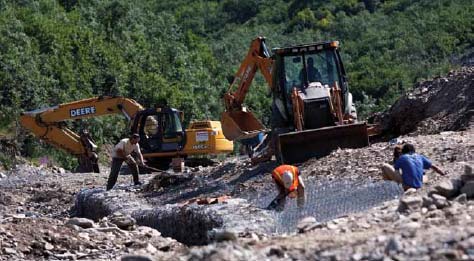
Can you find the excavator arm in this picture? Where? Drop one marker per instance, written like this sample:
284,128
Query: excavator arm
237,122
257,57
48,124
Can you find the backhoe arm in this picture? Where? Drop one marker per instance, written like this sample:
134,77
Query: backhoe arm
257,57
48,124
237,122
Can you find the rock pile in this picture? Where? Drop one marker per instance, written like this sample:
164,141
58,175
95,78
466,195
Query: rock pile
440,104
78,238
440,232
454,187
34,206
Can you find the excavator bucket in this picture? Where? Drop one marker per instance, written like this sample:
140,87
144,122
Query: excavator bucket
240,125
296,147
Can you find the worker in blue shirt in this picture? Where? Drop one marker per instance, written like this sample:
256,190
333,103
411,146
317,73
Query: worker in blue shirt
412,166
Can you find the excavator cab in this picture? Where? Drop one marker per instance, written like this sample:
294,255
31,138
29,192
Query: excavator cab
160,130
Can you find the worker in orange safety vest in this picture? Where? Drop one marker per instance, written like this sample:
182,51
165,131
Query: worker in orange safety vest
289,183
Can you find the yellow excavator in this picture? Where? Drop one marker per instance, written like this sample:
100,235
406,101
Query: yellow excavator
312,108
162,137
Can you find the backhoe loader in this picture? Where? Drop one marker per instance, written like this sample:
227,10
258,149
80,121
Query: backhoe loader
312,108
162,137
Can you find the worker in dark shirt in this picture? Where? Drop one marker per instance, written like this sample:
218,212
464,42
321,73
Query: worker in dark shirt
412,166
313,74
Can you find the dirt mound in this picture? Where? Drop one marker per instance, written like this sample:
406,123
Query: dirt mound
433,106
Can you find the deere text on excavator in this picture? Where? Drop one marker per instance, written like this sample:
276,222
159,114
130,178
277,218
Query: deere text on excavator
162,136
312,108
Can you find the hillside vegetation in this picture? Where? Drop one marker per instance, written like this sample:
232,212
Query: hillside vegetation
55,51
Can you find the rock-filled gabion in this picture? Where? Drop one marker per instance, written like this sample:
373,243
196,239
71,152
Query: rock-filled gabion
190,224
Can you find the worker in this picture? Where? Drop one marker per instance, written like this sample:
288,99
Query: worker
91,149
412,166
289,183
122,152
313,74
151,126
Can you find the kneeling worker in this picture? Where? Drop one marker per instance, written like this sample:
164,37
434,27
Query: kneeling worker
412,166
122,152
289,183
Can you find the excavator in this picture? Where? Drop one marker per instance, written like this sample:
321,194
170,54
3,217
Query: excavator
162,137
312,111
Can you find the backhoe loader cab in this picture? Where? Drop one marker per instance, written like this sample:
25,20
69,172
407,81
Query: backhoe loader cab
312,70
301,65
317,104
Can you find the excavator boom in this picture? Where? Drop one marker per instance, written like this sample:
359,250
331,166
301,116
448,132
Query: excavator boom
48,123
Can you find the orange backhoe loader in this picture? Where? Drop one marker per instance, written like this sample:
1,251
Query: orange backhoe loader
162,137
312,109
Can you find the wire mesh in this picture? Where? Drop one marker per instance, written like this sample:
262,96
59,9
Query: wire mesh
328,200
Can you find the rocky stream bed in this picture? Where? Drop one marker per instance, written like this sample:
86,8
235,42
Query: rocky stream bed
217,212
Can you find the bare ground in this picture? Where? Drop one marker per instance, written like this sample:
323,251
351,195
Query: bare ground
35,205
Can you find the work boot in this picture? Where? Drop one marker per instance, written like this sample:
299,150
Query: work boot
138,183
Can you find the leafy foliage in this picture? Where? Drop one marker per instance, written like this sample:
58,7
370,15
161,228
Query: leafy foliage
56,51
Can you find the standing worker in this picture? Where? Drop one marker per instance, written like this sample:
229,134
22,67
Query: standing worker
122,152
289,183
412,166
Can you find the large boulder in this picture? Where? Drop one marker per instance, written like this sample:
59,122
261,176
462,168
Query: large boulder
449,188
125,222
410,203
80,222
439,201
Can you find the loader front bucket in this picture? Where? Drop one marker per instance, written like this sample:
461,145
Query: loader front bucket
240,125
296,147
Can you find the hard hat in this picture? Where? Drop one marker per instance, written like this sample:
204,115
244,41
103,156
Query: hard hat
287,179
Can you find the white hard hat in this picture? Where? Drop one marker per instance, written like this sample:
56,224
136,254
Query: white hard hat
287,179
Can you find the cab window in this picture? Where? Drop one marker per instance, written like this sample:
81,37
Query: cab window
302,69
